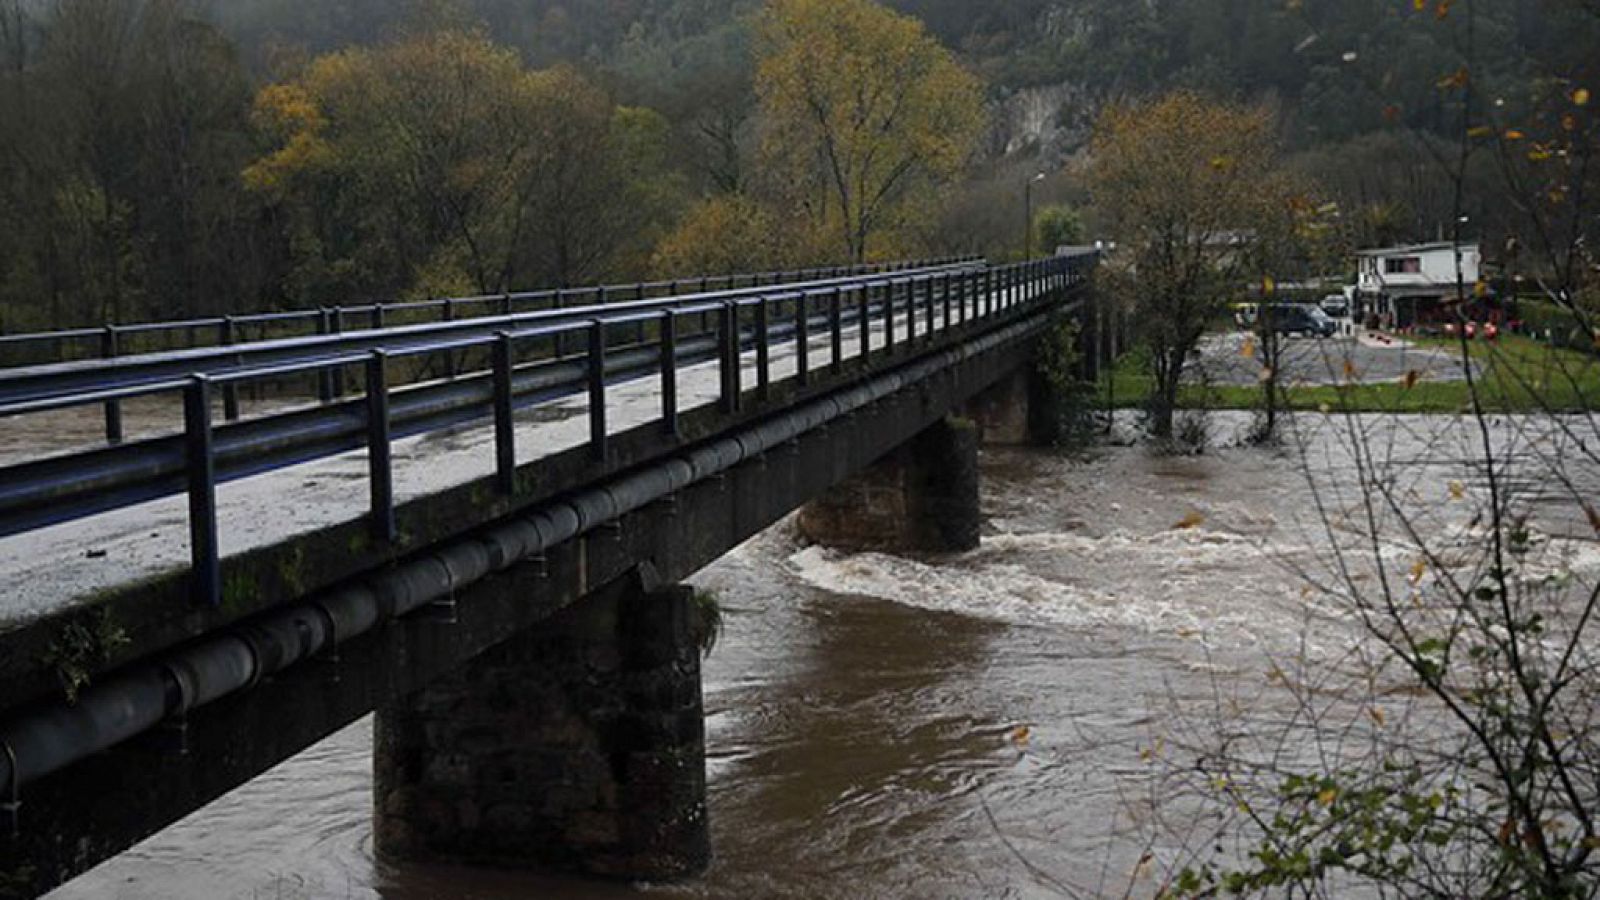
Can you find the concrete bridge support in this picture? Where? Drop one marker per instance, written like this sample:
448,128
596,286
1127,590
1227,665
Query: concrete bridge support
576,746
921,497
1018,410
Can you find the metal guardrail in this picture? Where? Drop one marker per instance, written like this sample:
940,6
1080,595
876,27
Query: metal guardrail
111,340
121,377
951,302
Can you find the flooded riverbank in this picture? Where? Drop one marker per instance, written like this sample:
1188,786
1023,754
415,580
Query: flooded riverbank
878,726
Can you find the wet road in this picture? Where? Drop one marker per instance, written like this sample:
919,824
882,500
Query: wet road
1319,361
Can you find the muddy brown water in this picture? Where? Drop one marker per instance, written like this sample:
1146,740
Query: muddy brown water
880,726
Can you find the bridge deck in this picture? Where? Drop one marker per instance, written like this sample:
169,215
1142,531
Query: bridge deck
315,620
52,569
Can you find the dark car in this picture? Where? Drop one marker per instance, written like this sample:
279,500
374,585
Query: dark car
1301,318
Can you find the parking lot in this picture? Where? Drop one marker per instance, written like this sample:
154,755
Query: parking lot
1371,359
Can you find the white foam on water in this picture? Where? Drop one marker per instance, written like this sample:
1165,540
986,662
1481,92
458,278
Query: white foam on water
1192,583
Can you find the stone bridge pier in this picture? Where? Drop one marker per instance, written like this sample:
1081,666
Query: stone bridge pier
578,745
922,497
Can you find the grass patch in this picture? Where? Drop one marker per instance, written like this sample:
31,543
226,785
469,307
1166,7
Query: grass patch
1519,374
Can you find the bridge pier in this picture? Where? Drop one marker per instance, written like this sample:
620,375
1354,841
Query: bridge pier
1015,411
576,746
921,497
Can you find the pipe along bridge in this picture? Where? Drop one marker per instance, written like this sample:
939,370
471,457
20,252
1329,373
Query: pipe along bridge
474,522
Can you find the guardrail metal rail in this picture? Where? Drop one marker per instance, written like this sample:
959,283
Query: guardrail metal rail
531,359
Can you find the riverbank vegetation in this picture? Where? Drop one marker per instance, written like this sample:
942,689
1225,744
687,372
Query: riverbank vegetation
1517,374
153,165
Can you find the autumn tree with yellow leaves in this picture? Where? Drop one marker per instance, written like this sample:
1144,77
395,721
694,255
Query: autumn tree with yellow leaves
440,164
863,113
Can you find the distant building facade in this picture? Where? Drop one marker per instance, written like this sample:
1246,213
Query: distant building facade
1412,285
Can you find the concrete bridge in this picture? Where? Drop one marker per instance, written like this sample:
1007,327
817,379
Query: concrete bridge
475,526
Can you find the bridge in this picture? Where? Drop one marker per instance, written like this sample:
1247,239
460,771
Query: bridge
471,516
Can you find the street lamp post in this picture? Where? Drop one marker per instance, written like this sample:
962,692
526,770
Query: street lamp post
1027,214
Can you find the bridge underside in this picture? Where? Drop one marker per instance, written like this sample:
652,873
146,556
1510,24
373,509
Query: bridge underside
76,818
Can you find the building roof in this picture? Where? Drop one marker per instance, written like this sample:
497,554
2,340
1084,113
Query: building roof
1417,248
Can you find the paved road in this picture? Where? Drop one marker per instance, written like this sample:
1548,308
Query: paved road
1308,361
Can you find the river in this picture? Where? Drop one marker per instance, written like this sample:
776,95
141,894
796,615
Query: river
976,726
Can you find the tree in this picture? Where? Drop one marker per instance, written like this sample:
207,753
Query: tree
862,111
1058,226
598,189
439,164
1295,239
402,164
126,121
1177,180
728,233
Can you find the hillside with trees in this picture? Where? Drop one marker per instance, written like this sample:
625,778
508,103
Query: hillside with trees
176,157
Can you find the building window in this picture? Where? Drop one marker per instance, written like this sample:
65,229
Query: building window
1402,265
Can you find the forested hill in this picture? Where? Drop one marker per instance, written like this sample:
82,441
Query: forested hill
1295,52
192,157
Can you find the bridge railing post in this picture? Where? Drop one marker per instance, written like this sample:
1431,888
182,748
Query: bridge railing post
639,329
945,293
558,302
802,339
728,341
597,389
338,373
836,327
449,355
764,348
927,304
230,391
911,313
110,347
669,372
505,433
324,375
380,465
864,320
200,465
888,317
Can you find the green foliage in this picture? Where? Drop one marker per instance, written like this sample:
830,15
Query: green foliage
1560,326
84,644
125,125
1520,376
863,114
1177,178
1057,226
1070,399
1351,822
729,233
440,165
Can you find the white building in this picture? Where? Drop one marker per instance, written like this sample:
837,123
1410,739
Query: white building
1407,286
